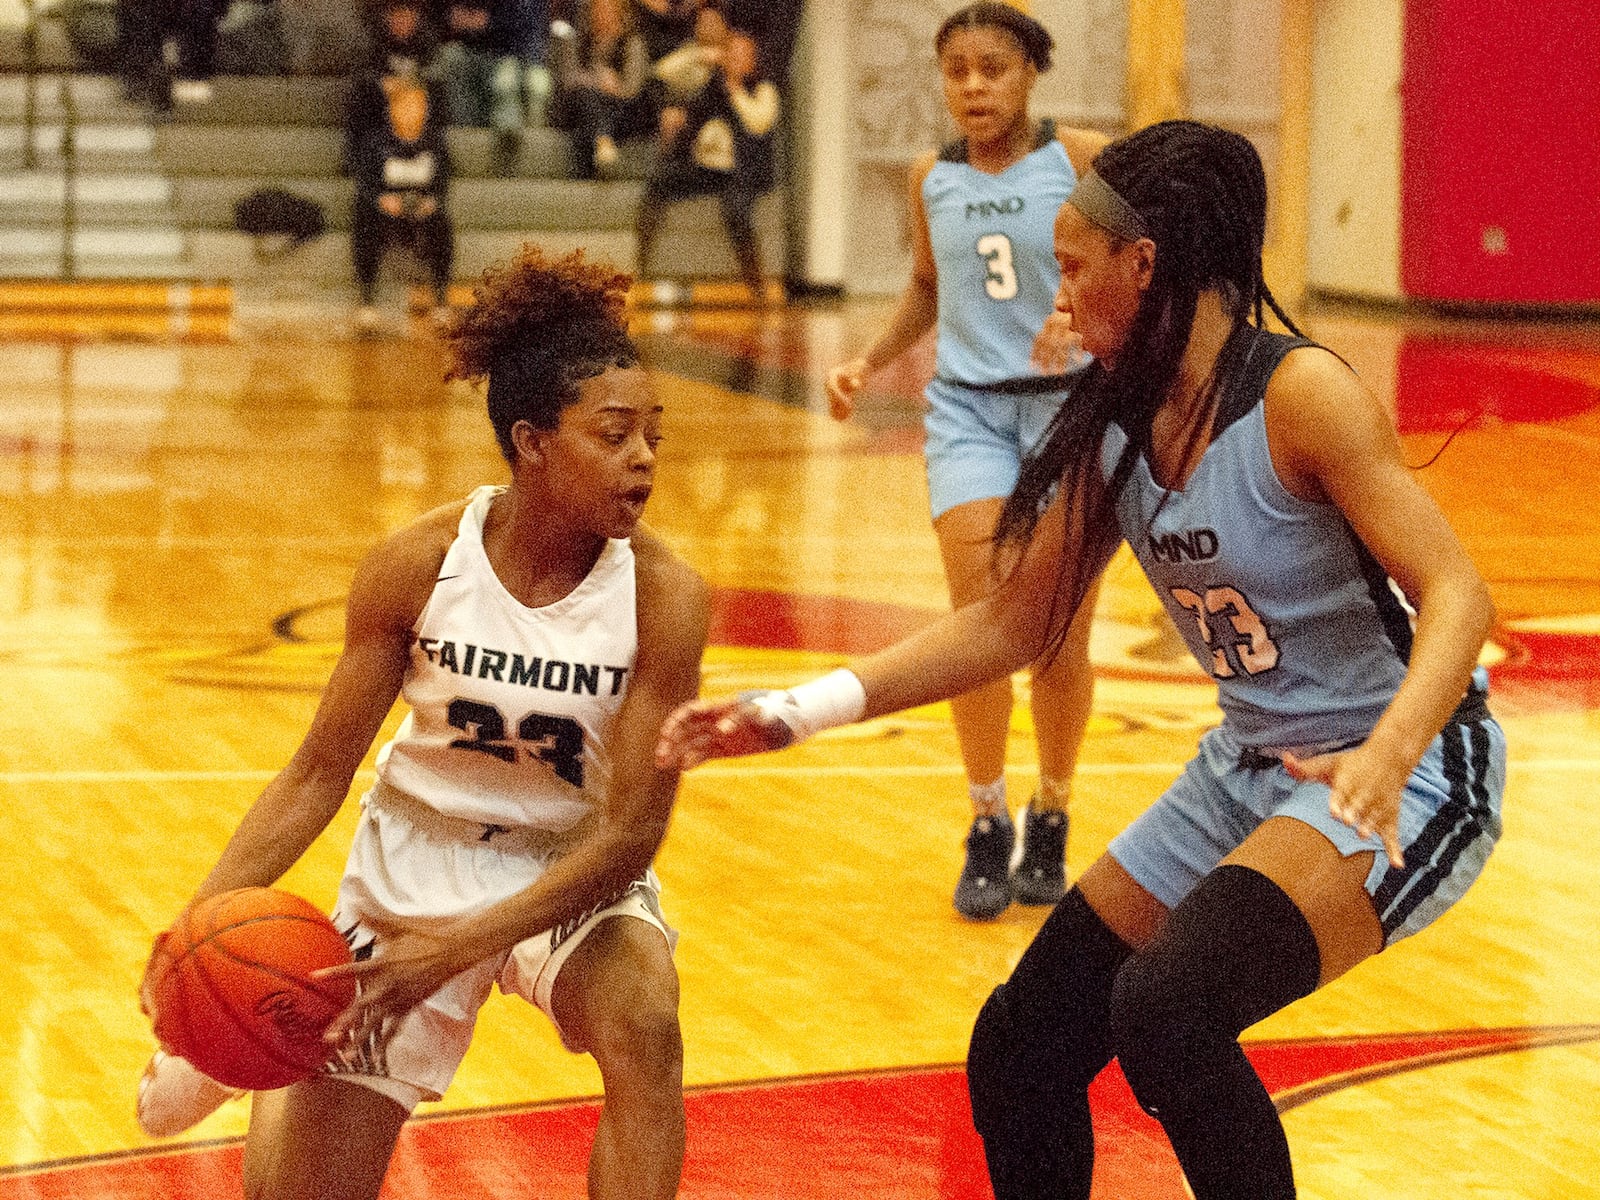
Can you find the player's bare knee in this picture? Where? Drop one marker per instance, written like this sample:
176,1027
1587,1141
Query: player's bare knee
631,1022
638,1043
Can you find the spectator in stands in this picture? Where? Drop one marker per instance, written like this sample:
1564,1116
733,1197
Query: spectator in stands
720,144
404,44
197,49
494,64
142,29
404,41
680,75
665,24
402,175
139,56
775,25
602,87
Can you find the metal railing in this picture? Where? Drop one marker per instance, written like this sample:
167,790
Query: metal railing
69,178
68,144
30,100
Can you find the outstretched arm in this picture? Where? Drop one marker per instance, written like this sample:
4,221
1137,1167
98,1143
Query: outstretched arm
990,639
389,590
958,652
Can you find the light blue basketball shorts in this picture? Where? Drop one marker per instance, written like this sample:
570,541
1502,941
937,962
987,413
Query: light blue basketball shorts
976,440
1449,822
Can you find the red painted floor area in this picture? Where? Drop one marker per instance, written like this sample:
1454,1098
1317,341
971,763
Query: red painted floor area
1441,384
904,1134
781,621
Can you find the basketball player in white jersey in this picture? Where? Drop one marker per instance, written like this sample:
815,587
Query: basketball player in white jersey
983,272
540,637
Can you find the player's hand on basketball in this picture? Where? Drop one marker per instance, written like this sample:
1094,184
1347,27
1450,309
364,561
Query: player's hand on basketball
727,728
405,970
1365,785
1058,346
844,382
154,967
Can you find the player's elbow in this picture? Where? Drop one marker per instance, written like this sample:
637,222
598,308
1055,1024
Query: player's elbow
1482,606
1464,603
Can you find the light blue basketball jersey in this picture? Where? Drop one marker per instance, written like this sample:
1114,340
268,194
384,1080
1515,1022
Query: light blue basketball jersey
993,244
1278,599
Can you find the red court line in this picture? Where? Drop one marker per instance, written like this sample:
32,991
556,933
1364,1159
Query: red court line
905,1135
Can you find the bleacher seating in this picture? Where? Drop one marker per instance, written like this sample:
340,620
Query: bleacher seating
124,227
156,201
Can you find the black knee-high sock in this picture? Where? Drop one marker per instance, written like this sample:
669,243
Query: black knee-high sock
1235,951
1040,1040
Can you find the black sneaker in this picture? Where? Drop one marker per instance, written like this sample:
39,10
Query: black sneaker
1041,875
984,890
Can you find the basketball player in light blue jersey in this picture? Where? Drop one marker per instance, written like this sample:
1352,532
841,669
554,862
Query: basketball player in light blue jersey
1351,794
983,271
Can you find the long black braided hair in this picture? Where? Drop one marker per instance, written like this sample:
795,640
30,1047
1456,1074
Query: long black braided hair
1202,193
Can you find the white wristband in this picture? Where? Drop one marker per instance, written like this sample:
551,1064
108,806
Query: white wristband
836,699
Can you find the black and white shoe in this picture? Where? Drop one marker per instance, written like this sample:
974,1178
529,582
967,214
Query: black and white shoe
1040,876
984,889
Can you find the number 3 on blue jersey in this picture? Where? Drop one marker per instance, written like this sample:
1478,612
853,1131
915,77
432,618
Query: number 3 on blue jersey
1001,280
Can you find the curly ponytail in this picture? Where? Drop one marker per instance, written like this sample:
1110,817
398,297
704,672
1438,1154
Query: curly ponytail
538,328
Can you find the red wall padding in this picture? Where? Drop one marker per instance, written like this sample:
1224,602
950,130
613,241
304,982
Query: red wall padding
1501,132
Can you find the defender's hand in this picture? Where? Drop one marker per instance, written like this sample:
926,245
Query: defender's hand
703,729
1365,786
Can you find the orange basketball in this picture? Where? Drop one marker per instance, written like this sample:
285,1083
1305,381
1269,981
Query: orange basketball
236,995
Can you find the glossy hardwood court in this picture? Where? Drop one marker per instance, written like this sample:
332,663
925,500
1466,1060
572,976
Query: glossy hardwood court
179,518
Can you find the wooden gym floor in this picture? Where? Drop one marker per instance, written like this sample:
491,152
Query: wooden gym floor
180,513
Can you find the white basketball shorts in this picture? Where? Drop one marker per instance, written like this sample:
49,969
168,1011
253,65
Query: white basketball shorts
410,865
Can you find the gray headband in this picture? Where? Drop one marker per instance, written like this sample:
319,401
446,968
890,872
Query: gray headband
1098,200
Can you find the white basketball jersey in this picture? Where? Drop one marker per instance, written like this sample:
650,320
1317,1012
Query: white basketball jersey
512,707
